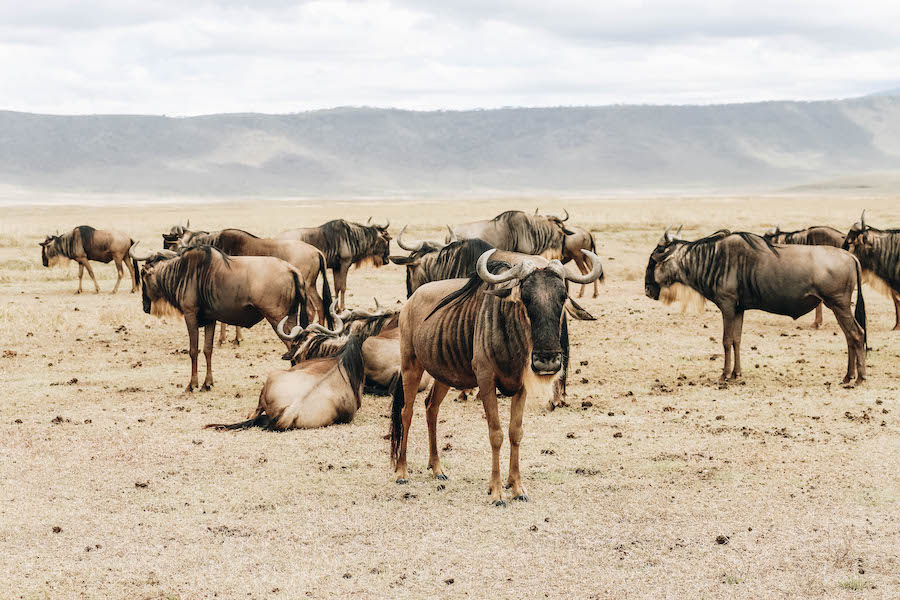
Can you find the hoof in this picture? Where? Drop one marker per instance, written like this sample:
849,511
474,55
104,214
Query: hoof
402,481
521,498
206,387
500,503
441,477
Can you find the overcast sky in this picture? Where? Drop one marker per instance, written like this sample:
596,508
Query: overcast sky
187,57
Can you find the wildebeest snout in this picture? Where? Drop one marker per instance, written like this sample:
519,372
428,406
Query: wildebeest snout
546,363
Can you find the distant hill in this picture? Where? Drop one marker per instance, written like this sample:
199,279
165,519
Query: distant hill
378,151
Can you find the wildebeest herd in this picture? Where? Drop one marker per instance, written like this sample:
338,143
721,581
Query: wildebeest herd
485,308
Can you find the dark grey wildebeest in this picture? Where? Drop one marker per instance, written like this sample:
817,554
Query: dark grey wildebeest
878,252
513,230
205,285
345,244
84,244
500,329
741,271
819,235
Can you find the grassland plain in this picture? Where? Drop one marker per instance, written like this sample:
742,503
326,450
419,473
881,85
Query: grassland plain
653,482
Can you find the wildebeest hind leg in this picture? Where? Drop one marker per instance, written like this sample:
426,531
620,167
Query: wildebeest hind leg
896,296
579,261
315,303
80,276
121,272
516,408
432,406
856,350
727,341
90,271
223,334
190,322
819,320
736,331
209,333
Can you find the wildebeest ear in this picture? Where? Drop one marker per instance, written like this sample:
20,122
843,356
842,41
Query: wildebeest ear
574,309
567,232
401,260
287,355
500,293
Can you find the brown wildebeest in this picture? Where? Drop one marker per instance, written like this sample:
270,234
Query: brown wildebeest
345,244
811,236
236,242
84,244
433,261
205,285
878,252
313,393
742,271
468,333
513,230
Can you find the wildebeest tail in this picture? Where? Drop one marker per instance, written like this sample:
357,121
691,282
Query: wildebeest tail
261,420
326,293
860,313
396,417
137,271
299,304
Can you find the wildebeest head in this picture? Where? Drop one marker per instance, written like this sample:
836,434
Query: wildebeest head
557,221
858,240
312,341
543,293
152,297
660,272
772,232
171,240
415,275
49,252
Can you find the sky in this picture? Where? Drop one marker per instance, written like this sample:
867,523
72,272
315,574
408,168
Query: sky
193,57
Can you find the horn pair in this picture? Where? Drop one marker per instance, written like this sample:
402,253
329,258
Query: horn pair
413,247
554,216
149,255
526,267
376,225
669,237
312,327
358,313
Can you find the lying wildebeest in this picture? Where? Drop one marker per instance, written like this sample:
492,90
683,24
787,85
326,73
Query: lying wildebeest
381,346
205,285
433,261
83,244
345,244
742,271
236,242
313,393
468,333
811,236
878,252
513,230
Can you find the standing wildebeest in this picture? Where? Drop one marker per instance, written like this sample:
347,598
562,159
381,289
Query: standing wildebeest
205,285
306,258
742,271
811,236
579,239
878,252
313,393
345,244
468,333
515,231
83,244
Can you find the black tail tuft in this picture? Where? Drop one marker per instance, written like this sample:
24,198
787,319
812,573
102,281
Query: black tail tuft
137,271
860,313
326,294
396,417
262,421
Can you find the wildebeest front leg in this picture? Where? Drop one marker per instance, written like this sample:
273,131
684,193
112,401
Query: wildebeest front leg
727,341
516,408
80,275
896,296
223,334
90,271
819,319
432,406
121,272
238,336
736,331
209,333
412,376
193,350
488,394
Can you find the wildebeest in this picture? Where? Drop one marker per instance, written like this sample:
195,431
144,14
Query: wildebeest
470,332
205,285
345,244
513,230
576,243
742,271
84,244
878,252
236,242
811,236
433,261
381,346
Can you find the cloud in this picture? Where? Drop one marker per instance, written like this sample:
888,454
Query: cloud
170,57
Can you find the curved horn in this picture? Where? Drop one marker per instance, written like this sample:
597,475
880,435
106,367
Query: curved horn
535,212
487,276
678,231
167,253
596,270
136,257
406,247
378,308
567,216
339,323
295,331
369,221
862,219
665,239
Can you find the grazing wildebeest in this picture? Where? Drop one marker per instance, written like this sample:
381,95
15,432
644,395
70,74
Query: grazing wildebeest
513,230
742,271
345,244
236,242
205,285
432,261
381,346
811,236
83,244
500,329
313,393
878,252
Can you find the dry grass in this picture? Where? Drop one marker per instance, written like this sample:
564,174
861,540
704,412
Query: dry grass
633,486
